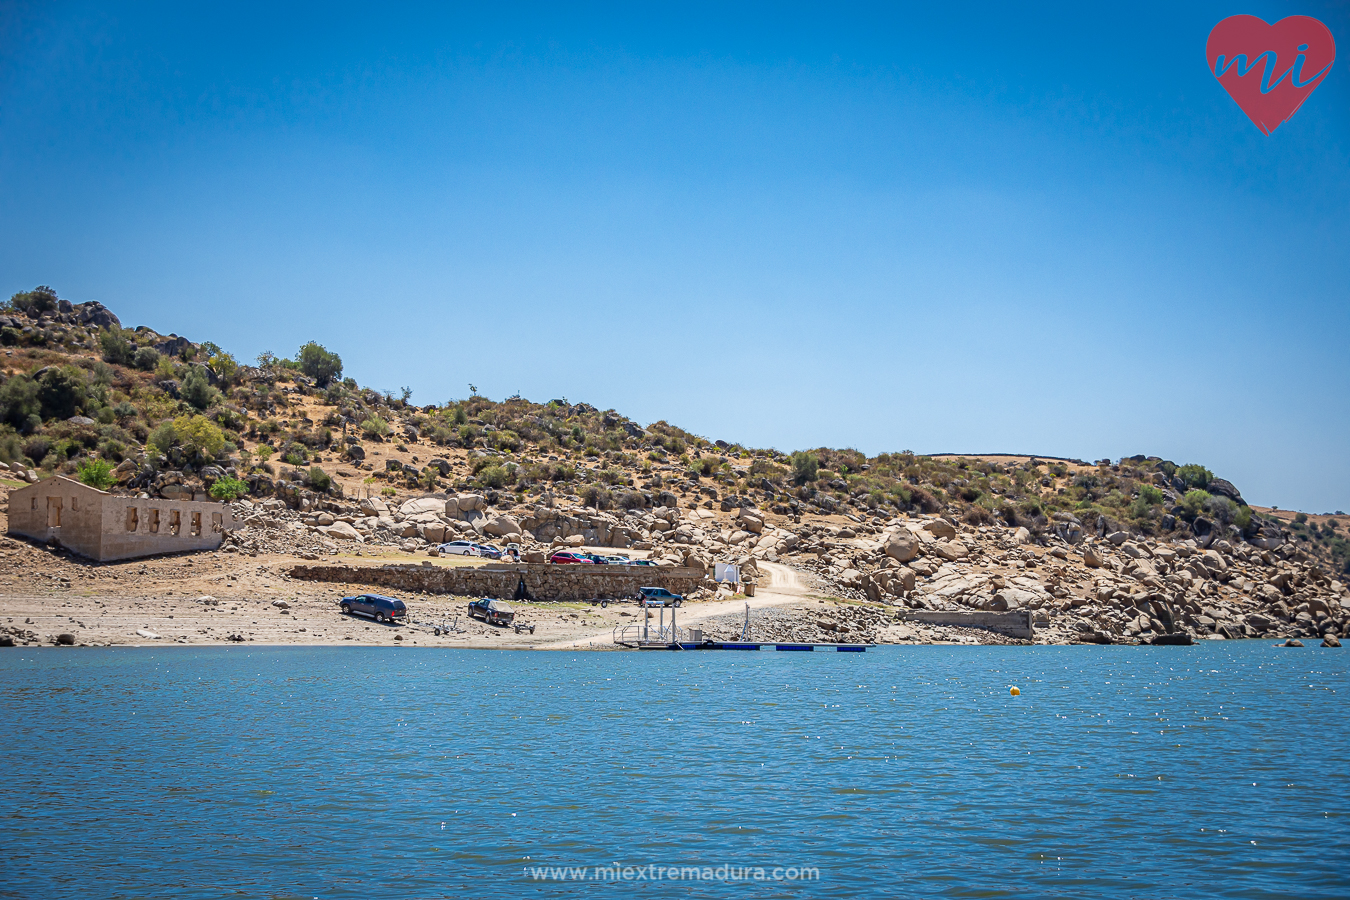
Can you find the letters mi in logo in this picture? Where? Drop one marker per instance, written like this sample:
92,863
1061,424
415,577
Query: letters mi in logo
1270,69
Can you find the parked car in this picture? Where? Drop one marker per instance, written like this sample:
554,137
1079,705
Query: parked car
597,558
469,548
639,562
377,606
658,596
493,612
570,556
616,560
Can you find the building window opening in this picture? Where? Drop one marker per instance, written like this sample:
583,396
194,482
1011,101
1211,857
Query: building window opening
216,523
175,524
154,521
132,519
53,512
196,524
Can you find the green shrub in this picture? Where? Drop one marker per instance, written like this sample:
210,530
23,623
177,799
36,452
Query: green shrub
706,466
597,497
228,488
319,479
145,358
1223,510
117,348
506,440
61,392
493,476
97,473
41,298
375,426
199,435
196,388
1150,495
1195,501
805,467
19,401
1243,519
320,364
1195,476
163,438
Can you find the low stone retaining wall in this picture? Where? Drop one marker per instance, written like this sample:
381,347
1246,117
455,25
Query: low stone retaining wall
544,582
1014,624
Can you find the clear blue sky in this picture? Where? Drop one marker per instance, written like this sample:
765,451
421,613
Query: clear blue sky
952,228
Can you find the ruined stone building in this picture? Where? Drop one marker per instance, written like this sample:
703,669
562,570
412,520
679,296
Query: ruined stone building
106,527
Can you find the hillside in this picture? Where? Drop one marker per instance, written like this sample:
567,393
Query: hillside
294,443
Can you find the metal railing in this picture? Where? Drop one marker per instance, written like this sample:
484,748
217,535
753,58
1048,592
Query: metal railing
637,634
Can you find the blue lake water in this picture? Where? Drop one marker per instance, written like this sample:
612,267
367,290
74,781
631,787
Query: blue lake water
1209,771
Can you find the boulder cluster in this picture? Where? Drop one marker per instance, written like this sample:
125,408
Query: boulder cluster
1109,589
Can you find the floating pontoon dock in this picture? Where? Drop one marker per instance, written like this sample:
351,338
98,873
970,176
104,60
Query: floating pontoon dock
662,636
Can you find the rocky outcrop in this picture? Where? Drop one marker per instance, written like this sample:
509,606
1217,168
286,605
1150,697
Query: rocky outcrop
95,315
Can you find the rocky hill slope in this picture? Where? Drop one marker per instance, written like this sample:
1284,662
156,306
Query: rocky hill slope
1110,550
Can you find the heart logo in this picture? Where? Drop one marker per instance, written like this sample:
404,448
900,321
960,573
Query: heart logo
1270,69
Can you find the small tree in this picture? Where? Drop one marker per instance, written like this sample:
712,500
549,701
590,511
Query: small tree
198,434
116,347
196,388
318,363
61,391
40,299
228,488
97,473
805,466
224,365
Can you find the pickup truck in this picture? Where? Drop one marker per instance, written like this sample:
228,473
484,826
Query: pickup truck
377,606
493,612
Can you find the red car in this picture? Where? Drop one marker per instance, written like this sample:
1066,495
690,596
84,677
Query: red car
567,556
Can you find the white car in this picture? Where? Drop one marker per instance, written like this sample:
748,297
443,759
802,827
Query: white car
461,548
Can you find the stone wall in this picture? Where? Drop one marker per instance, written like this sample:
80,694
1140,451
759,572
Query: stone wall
1014,624
544,582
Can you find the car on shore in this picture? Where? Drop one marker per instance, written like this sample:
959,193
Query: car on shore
658,596
493,612
379,607
468,548
565,557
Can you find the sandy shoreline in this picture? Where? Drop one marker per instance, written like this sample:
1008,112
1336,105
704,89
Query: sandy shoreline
231,599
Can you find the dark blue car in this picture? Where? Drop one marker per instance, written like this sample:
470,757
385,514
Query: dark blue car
377,606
